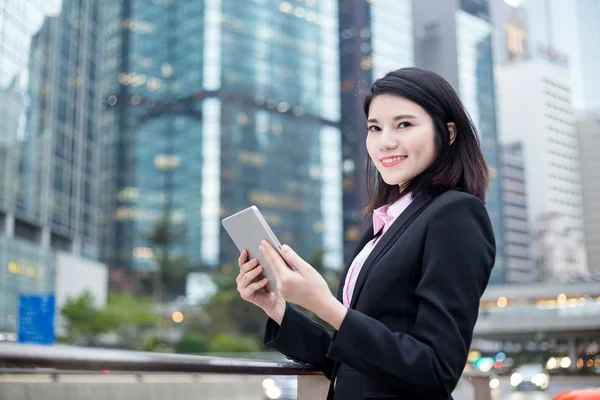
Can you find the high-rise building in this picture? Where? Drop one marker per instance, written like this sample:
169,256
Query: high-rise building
510,32
49,154
588,131
535,108
454,39
212,106
517,243
372,43
569,30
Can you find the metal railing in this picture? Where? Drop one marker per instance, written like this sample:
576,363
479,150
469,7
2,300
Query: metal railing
63,360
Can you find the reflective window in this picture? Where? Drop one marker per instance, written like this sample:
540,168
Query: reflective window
48,108
476,90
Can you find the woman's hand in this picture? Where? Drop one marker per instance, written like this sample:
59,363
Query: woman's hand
253,291
299,283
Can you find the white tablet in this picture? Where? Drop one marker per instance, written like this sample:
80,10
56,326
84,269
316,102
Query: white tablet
247,229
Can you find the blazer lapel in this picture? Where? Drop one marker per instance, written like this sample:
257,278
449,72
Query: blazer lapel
388,239
366,238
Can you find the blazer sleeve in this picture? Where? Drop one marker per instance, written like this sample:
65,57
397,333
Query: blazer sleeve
458,256
301,339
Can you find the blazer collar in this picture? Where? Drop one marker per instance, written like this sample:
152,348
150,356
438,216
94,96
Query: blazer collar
387,240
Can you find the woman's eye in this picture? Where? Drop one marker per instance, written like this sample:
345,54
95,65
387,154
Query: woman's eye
404,124
373,128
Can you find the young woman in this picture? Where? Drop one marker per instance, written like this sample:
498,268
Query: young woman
409,298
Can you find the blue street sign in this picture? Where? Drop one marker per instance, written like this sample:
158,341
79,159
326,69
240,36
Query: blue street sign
36,318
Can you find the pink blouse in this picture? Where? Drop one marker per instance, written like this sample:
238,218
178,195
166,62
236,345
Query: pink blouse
383,217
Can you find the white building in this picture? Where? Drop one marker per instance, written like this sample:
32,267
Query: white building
534,101
517,241
588,130
569,27
74,276
557,250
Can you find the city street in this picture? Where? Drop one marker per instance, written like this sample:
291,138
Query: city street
505,392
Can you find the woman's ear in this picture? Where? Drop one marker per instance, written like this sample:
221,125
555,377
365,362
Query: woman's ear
452,131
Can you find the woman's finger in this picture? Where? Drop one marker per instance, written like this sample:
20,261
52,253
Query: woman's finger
265,247
249,277
249,266
244,268
252,288
243,258
277,260
292,259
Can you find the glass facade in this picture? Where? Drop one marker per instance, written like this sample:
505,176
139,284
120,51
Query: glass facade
207,118
49,160
476,89
372,43
392,42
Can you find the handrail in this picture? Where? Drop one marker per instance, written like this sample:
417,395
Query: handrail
63,357
74,359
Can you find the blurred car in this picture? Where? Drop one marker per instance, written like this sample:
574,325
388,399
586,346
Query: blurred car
280,387
530,377
494,381
578,394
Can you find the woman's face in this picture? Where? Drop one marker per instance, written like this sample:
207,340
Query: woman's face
401,138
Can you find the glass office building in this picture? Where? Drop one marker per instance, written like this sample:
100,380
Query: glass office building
212,106
49,156
476,89
372,43
457,44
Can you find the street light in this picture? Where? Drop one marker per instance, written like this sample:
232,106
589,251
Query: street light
177,317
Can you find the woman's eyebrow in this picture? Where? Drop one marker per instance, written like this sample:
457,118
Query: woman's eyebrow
396,118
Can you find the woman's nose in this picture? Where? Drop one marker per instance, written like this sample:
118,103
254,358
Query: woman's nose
388,141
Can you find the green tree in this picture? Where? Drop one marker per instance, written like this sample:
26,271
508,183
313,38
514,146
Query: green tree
225,343
84,322
134,318
228,313
171,265
130,318
192,343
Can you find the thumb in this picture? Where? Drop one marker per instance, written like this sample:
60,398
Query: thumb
293,259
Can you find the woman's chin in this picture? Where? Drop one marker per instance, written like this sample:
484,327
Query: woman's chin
393,181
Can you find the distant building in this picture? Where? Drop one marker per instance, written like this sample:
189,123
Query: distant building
210,107
535,109
565,30
557,250
510,32
372,43
519,265
454,39
50,147
588,131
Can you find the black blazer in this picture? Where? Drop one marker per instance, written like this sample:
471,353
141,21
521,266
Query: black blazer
410,323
